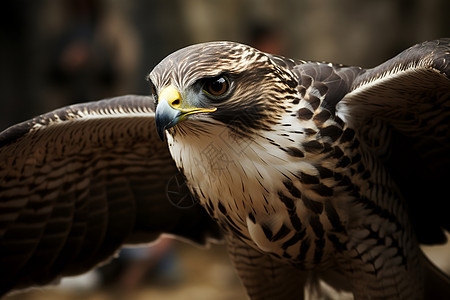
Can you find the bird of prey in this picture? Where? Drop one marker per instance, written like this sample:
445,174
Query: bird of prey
307,170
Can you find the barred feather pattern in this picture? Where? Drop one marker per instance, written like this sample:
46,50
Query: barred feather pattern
78,183
311,170
299,180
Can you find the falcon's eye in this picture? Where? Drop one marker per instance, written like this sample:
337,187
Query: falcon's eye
216,86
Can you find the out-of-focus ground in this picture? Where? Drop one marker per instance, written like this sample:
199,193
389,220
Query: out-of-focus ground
199,274
202,274
440,255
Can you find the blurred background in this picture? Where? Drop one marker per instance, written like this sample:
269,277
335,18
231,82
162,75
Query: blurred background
58,52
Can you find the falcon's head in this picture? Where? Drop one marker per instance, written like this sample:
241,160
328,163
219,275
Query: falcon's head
226,107
220,82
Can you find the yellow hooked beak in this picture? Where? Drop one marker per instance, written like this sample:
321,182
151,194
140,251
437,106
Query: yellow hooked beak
171,109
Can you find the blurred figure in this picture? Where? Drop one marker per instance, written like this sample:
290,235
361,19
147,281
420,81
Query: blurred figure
267,39
95,55
81,63
156,264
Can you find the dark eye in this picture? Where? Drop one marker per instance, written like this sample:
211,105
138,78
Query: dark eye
216,86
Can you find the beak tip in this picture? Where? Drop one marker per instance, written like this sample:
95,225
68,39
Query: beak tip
165,117
160,128
161,133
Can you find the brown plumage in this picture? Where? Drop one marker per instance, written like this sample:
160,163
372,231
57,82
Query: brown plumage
311,170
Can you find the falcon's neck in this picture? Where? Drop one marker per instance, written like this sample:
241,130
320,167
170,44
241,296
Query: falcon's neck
278,188
246,182
234,170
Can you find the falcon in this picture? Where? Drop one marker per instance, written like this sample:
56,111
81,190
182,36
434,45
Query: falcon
307,170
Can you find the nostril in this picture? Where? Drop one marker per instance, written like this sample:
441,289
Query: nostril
176,102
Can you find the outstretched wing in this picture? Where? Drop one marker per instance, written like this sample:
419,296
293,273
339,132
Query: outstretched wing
409,96
79,182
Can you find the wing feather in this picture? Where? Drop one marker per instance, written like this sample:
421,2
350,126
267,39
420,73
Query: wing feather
79,182
410,95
